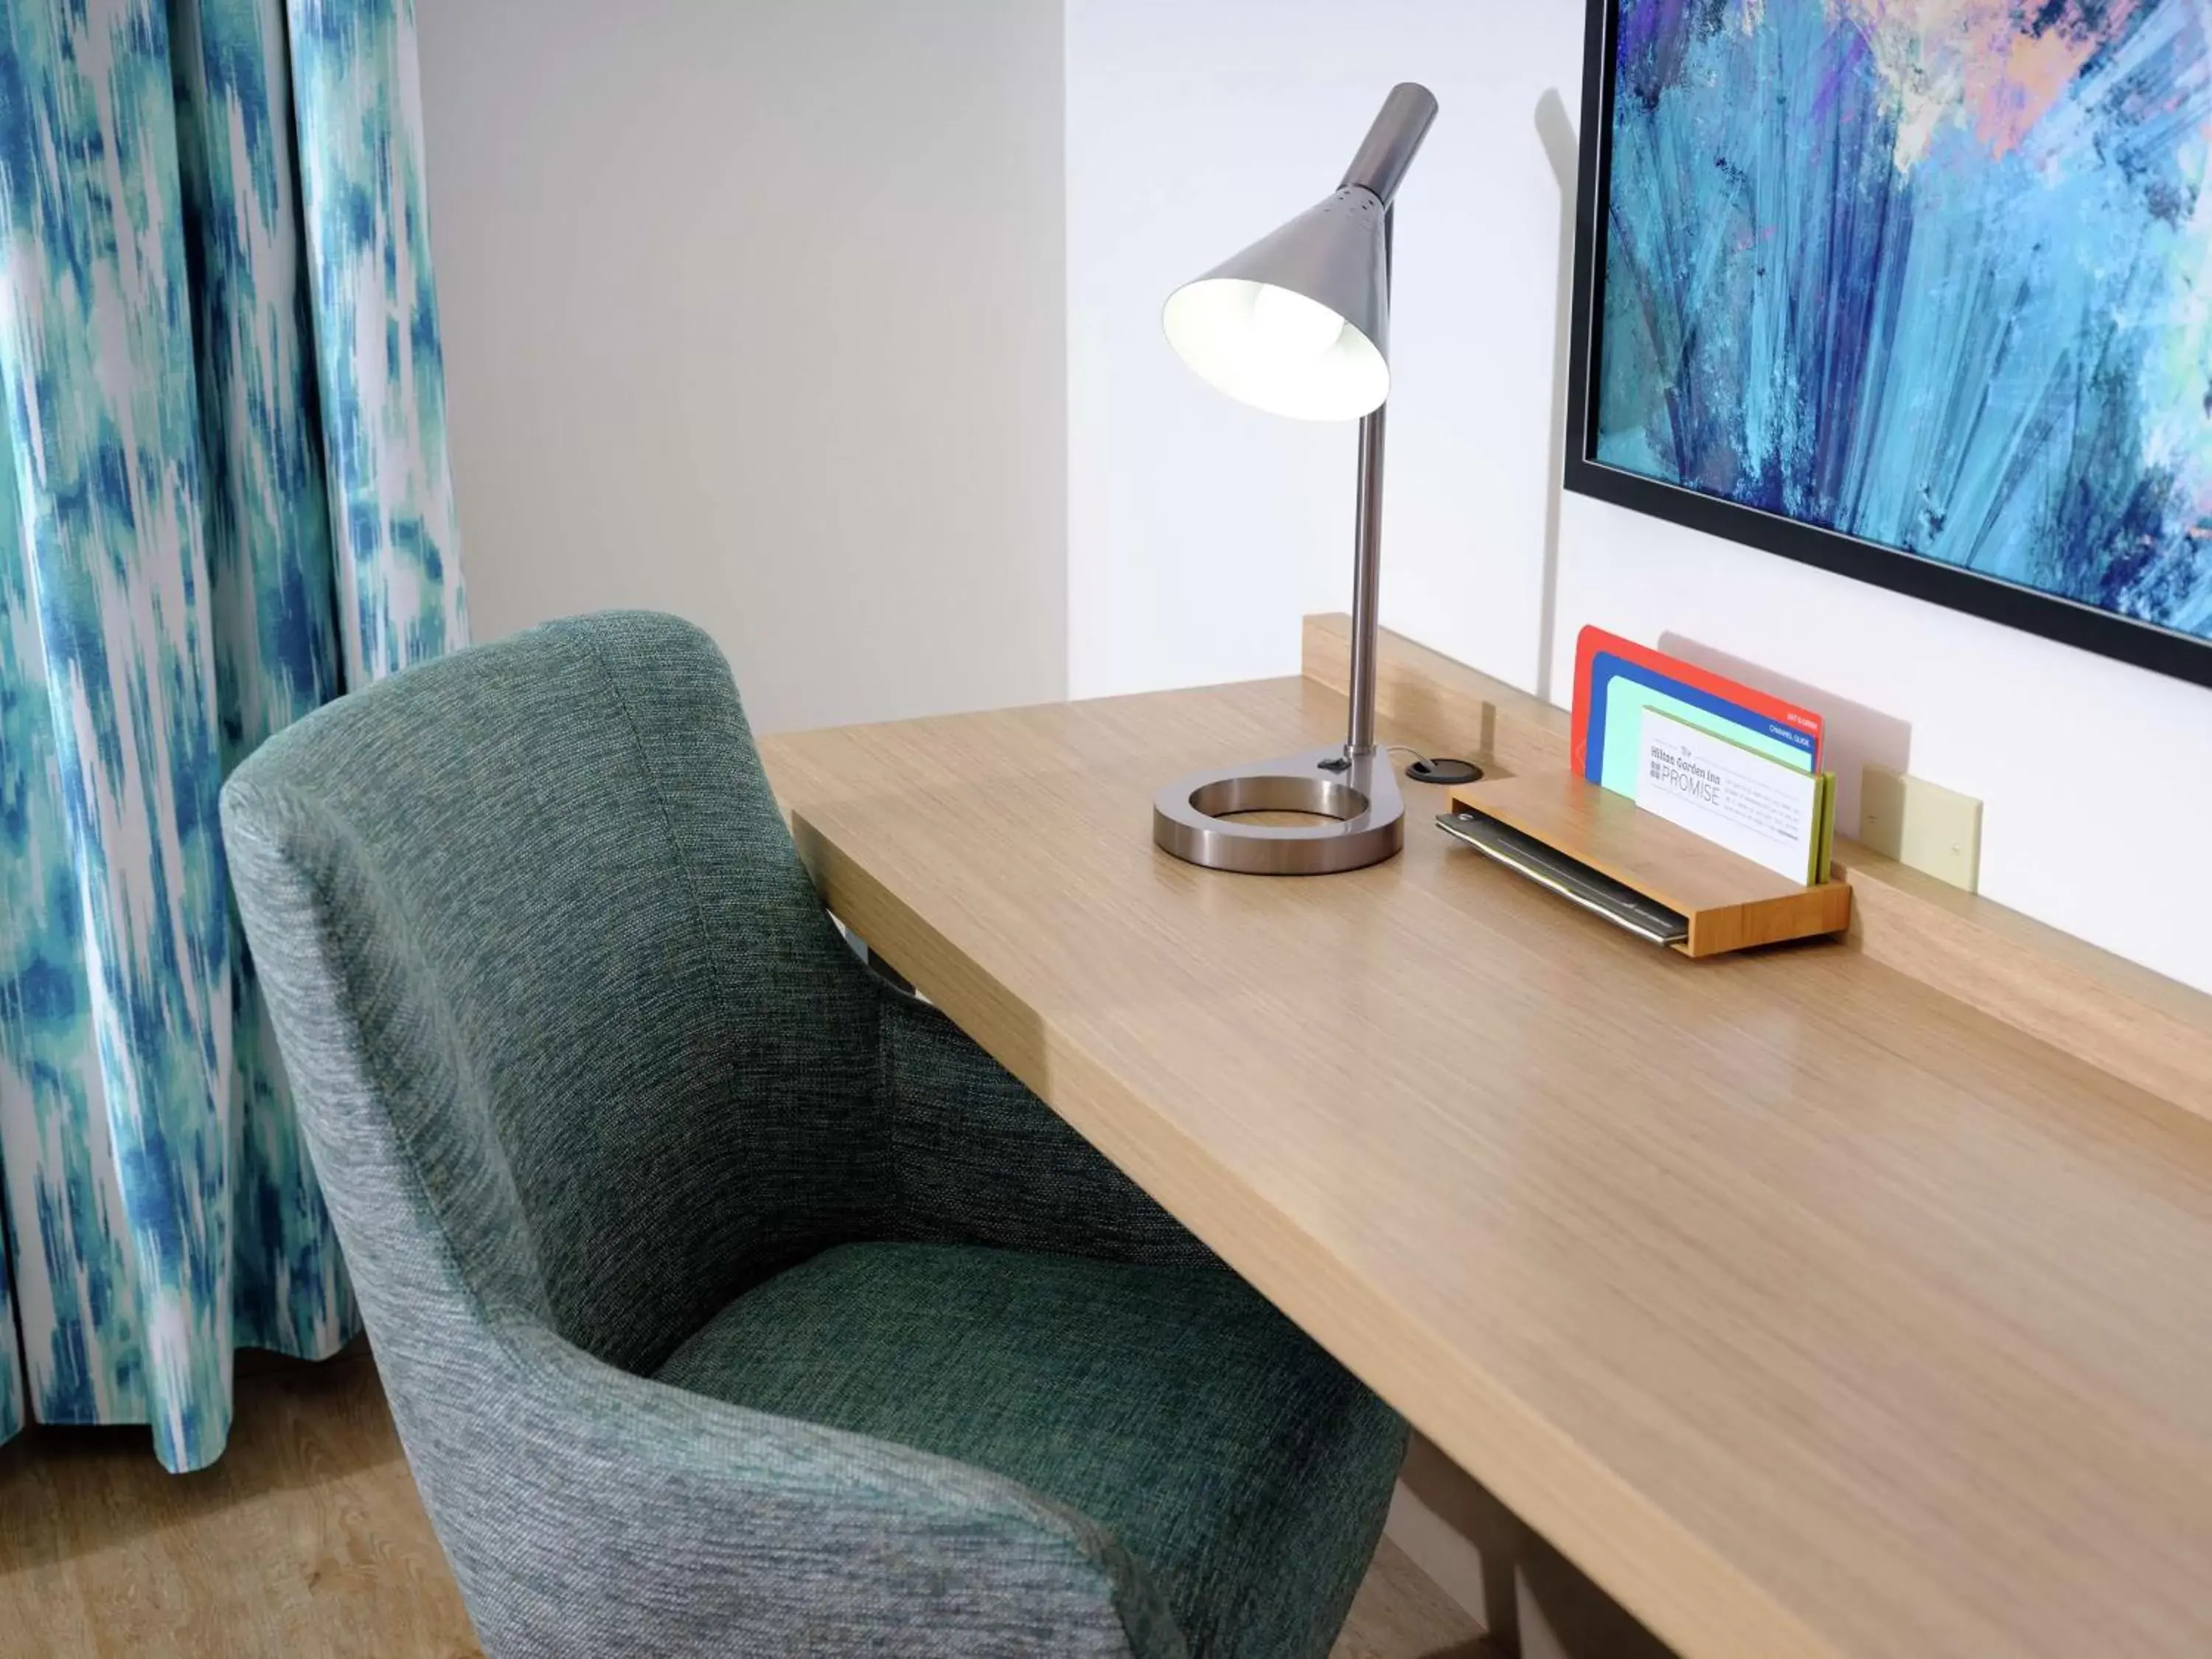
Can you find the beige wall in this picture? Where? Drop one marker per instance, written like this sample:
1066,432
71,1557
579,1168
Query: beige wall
753,313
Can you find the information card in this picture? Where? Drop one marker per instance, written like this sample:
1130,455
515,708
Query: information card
1734,797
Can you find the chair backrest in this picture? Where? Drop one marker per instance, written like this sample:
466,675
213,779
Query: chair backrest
563,1017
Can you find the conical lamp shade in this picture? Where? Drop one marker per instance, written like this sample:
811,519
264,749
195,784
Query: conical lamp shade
1298,323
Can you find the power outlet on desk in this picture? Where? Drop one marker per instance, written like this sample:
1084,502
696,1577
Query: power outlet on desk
1922,825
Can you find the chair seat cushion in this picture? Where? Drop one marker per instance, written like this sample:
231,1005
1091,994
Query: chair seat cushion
1244,1469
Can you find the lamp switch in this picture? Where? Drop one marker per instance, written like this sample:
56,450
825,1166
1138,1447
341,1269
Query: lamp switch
1922,825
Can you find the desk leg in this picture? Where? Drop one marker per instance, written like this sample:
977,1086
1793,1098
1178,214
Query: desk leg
1562,1615
1463,1539
1533,1601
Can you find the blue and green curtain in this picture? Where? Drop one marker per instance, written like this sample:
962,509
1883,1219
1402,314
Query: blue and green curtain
224,500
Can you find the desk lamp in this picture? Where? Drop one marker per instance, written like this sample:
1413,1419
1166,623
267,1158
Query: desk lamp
1297,325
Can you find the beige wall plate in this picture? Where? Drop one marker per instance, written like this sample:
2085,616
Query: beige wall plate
1922,825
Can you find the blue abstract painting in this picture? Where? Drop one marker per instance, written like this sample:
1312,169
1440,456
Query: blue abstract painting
1935,274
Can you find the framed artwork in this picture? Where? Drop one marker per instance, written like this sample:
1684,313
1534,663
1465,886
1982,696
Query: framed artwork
1917,291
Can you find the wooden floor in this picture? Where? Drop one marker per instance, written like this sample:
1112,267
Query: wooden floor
307,1540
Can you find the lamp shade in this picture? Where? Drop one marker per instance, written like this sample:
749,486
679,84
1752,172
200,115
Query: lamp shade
1298,323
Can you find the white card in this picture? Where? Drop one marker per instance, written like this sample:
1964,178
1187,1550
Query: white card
1733,796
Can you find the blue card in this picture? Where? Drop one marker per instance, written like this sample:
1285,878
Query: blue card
1622,690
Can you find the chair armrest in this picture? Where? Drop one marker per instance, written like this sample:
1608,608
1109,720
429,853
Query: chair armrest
589,1512
979,1159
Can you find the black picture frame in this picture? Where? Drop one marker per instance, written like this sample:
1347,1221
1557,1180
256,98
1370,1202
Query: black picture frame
2146,645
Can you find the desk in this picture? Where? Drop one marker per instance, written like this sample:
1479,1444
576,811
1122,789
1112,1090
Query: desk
1808,1309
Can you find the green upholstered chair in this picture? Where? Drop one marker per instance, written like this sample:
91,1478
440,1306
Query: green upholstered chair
728,1301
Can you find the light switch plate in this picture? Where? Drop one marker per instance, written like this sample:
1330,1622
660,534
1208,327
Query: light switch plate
1922,825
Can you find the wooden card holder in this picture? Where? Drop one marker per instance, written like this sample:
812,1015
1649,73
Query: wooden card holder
1730,901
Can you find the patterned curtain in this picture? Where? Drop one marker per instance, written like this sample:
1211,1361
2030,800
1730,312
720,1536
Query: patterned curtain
224,499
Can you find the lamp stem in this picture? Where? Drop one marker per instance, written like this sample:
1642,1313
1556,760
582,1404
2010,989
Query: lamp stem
1367,554
1366,579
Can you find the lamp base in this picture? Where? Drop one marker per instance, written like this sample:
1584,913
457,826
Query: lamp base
1359,797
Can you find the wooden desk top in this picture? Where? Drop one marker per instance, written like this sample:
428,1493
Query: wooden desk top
1809,1311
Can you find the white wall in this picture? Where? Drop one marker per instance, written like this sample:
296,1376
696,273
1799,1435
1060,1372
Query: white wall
1199,531
754,312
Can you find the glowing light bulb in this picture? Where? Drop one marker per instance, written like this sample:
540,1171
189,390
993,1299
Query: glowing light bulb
1290,326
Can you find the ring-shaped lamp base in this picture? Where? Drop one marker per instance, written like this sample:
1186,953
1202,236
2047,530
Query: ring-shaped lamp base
1366,816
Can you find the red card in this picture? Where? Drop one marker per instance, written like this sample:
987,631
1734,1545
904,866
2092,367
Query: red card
1593,642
